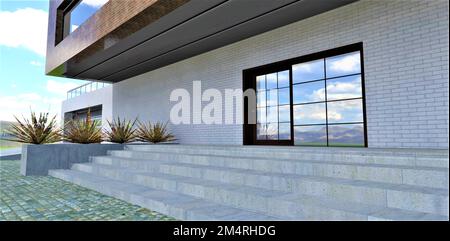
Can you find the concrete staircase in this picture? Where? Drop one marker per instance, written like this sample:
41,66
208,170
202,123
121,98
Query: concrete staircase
194,182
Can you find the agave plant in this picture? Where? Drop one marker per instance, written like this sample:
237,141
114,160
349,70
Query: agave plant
36,130
121,131
154,133
83,131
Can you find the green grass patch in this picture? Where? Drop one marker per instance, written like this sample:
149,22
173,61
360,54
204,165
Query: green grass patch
4,144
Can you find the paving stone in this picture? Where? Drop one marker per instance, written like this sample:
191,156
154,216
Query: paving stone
48,198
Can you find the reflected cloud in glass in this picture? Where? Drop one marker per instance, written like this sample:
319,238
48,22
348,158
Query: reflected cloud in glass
345,111
308,71
344,64
309,114
309,92
271,81
344,88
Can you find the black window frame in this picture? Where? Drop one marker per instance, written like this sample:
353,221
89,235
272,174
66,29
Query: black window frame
63,19
249,82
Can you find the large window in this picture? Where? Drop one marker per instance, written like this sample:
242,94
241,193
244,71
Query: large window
328,101
314,100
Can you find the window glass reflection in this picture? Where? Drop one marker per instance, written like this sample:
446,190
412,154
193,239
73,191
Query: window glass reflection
272,131
309,92
310,135
261,82
309,114
83,11
344,64
272,97
283,79
284,131
261,115
284,96
261,98
346,135
345,111
272,114
271,81
284,113
261,131
308,71
344,88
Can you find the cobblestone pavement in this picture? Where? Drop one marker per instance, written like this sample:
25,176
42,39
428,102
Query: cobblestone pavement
48,198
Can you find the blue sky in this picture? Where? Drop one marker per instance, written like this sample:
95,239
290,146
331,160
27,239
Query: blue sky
23,83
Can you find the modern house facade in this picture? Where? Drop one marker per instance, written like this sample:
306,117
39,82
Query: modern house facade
402,60
329,73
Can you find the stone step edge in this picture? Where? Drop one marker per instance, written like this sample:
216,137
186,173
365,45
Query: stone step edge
103,180
427,168
416,153
338,204
381,214
325,179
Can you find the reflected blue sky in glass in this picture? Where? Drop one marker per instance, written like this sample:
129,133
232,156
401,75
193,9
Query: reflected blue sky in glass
283,79
310,114
261,98
344,88
261,82
272,97
272,114
81,13
309,92
284,114
343,65
345,111
271,81
308,71
284,96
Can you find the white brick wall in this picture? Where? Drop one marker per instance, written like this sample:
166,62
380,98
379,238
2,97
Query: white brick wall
406,71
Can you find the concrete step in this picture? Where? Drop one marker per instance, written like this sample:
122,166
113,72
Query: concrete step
408,157
263,200
176,205
434,177
423,199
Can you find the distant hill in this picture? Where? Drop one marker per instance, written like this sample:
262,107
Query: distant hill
336,134
5,125
4,144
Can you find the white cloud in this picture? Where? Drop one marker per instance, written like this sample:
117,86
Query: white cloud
94,3
304,67
48,101
73,27
60,88
26,28
36,63
349,63
20,105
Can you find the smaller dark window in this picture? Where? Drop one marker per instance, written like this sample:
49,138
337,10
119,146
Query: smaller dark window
73,13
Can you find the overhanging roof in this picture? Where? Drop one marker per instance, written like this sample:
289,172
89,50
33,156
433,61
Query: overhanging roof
193,28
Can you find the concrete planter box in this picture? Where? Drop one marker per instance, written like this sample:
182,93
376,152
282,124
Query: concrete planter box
38,159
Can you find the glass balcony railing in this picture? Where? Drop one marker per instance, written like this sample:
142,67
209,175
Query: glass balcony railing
86,88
